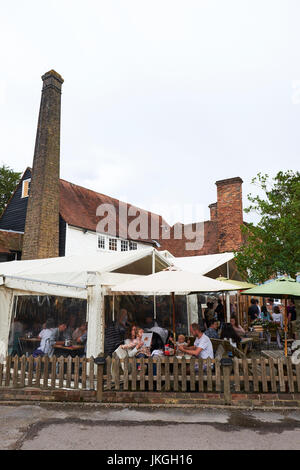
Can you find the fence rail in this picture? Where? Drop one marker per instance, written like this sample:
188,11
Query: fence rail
197,375
165,374
48,372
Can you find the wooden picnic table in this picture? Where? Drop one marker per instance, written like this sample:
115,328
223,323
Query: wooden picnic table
30,340
245,343
273,354
28,345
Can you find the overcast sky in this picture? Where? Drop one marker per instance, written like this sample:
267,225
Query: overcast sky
161,98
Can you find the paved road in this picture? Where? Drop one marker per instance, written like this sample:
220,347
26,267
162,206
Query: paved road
85,427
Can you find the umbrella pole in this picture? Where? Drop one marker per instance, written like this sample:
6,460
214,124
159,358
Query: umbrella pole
285,326
173,307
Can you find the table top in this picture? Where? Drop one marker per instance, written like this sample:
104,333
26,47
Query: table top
246,340
34,340
276,354
69,348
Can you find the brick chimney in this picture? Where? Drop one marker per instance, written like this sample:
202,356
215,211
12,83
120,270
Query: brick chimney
213,212
229,214
41,237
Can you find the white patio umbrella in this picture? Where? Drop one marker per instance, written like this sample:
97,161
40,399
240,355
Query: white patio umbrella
171,282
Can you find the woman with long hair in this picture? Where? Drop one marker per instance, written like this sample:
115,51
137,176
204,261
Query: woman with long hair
130,338
230,335
236,326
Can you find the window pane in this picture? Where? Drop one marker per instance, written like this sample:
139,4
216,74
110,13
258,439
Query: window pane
124,245
133,245
113,244
101,242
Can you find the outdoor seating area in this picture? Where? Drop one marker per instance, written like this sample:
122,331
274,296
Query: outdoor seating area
171,331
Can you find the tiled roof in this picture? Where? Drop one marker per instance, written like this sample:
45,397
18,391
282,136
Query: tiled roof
10,241
78,206
178,248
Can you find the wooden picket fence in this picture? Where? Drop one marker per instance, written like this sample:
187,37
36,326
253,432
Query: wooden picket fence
48,372
197,375
154,374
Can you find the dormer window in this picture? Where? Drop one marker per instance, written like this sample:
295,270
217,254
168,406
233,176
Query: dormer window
26,187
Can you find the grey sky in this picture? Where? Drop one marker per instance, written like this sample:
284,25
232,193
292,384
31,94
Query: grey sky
161,98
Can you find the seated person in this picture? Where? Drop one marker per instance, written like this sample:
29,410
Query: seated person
202,346
237,328
68,332
229,334
83,340
142,350
48,337
180,342
131,339
79,331
157,345
212,330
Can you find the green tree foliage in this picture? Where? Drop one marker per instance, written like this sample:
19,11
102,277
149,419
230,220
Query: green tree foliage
273,245
8,182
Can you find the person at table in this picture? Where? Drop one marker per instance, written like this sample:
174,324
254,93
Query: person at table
212,330
237,327
79,331
131,339
180,342
68,332
83,340
229,334
202,345
253,310
48,337
142,350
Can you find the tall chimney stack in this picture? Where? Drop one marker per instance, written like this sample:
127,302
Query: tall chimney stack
229,214
41,237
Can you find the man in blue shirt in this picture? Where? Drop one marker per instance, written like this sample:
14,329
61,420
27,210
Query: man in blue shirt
212,331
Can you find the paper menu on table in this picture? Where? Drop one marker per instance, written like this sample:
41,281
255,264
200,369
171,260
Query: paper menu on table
147,339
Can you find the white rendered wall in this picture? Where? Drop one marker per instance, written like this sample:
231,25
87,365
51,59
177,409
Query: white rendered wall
78,242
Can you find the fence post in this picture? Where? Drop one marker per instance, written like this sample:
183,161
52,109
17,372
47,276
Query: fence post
100,361
227,366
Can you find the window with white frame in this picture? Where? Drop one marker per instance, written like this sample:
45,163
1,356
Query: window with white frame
26,187
113,244
101,242
124,245
132,245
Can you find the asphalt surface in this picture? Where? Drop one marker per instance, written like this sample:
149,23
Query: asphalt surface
66,427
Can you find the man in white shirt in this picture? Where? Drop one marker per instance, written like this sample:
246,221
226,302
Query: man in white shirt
202,346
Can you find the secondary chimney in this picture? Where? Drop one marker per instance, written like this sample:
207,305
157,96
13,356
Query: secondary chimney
213,212
41,237
230,214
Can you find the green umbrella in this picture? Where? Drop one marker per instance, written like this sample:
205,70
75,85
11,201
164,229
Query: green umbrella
240,285
282,288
